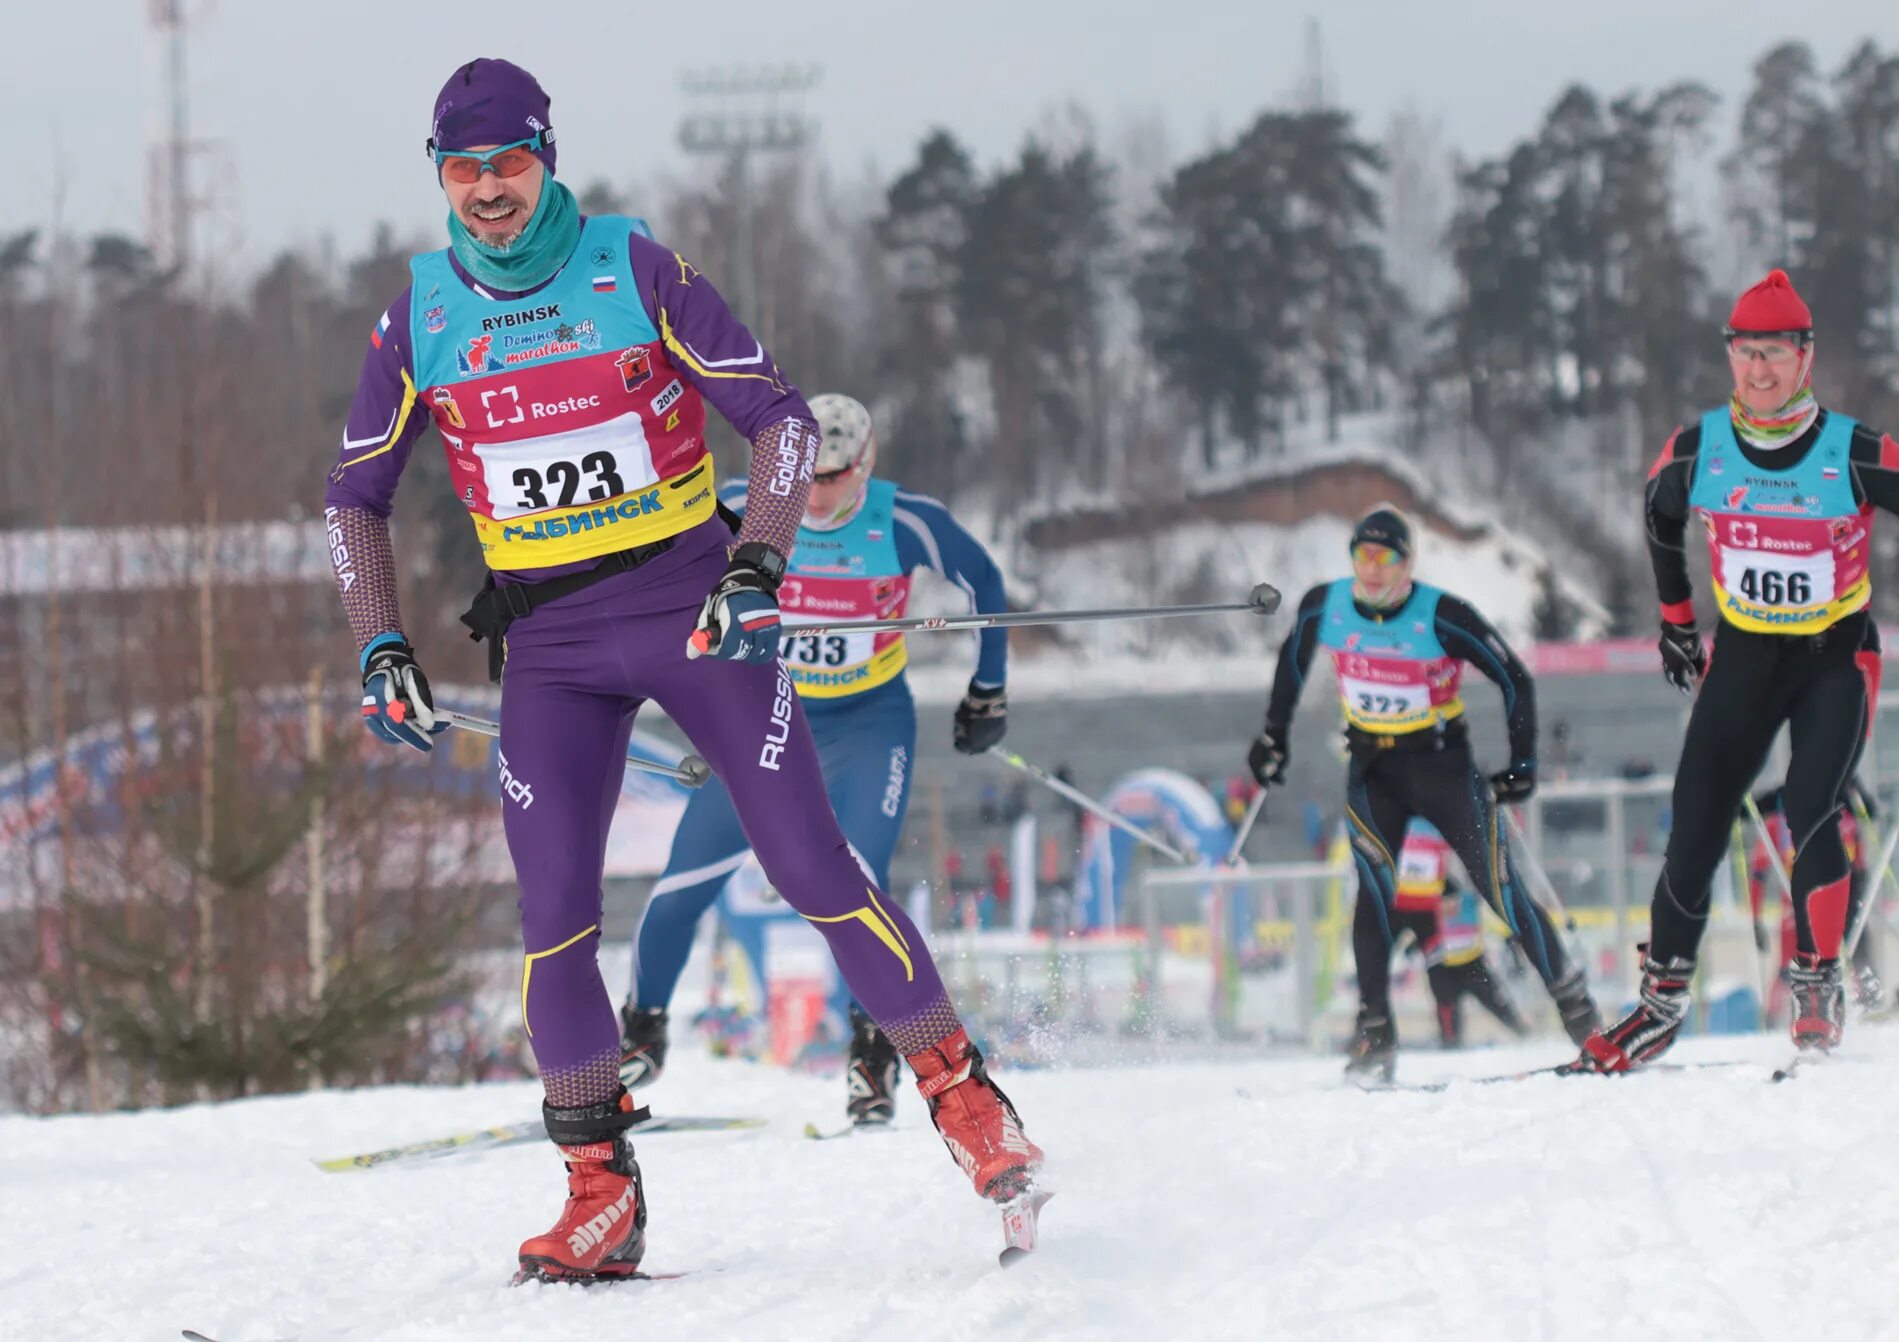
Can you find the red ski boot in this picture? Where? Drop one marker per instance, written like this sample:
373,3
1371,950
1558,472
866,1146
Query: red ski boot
601,1233
976,1120
1819,1001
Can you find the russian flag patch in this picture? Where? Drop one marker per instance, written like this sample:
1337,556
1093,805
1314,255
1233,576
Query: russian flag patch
375,336
1829,472
604,284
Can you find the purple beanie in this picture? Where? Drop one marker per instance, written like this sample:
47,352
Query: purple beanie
491,101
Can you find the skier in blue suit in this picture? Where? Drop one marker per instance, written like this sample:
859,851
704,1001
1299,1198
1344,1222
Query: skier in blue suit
861,541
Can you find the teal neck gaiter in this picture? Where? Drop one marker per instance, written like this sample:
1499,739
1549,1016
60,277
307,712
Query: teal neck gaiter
543,247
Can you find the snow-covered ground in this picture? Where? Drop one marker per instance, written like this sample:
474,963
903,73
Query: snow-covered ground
1241,1198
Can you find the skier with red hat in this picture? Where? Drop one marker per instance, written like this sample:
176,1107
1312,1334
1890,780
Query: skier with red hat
1785,491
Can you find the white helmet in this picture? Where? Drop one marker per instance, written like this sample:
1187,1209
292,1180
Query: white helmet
845,437
847,451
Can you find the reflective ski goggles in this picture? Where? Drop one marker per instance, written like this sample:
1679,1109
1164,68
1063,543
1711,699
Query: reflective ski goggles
1381,555
841,472
467,165
1772,349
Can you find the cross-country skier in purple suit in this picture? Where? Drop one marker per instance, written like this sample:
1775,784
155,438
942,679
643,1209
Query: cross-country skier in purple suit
566,362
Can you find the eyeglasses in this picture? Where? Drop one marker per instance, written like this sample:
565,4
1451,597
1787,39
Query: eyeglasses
1381,555
465,165
1770,351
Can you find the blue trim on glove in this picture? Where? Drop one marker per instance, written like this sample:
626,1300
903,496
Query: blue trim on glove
381,640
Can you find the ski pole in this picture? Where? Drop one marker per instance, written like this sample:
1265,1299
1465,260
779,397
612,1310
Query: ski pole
1563,921
1767,842
1737,858
1087,803
1884,869
1262,600
1870,829
1253,808
692,771
1780,873
1853,934
1545,887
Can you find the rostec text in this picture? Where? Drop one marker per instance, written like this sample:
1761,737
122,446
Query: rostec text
565,406
1775,543
339,552
586,519
546,312
837,605
779,731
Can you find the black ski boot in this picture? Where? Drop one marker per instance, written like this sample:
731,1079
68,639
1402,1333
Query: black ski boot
1576,1006
1452,983
1447,995
1450,1022
1373,1053
871,1077
642,1045
1868,991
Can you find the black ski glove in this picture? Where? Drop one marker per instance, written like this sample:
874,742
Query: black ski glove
981,719
1684,661
1515,783
1267,757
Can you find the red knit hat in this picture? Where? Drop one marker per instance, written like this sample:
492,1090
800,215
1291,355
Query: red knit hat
1771,308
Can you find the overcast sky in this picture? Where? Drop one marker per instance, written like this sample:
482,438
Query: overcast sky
319,110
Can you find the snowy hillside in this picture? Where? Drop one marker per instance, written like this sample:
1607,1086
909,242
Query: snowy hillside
1497,574
1205,561
1464,547
1235,1199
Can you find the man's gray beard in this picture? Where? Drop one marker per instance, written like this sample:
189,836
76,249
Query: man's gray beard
487,237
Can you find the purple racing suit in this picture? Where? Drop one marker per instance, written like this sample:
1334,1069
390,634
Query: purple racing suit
579,668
